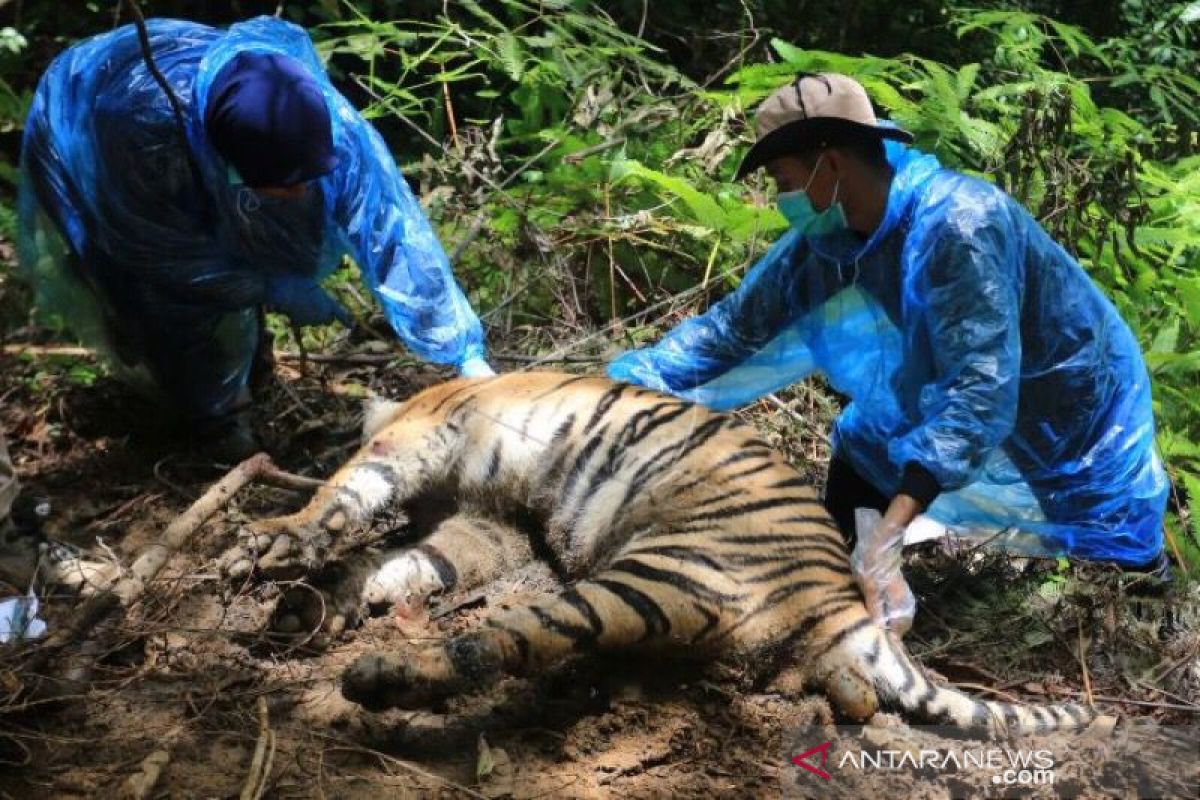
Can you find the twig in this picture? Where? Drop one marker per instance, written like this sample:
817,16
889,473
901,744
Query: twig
1151,687
979,687
445,609
1087,678
579,155
289,480
341,744
339,358
48,350
140,785
99,606
264,756
1144,703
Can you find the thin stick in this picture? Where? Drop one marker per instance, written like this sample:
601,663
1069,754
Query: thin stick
364,359
264,756
141,784
1087,678
289,480
579,155
341,744
48,350
1144,703
99,606
450,116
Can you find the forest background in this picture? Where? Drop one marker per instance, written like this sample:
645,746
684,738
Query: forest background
578,157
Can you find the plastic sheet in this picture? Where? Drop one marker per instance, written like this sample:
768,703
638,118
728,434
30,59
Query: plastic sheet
970,343
137,258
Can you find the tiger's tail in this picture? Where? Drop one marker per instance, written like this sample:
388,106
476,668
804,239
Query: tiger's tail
900,682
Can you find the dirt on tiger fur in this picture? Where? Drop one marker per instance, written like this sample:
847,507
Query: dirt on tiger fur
188,684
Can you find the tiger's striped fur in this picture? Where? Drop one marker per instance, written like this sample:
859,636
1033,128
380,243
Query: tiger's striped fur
673,526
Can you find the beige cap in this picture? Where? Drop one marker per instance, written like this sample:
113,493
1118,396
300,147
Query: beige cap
810,112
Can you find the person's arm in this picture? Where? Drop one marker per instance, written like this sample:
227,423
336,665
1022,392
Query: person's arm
970,292
402,260
777,290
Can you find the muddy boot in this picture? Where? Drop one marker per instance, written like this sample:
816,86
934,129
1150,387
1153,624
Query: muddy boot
18,558
262,369
228,439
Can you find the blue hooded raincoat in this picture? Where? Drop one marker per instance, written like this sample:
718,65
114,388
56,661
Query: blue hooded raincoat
123,244
970,343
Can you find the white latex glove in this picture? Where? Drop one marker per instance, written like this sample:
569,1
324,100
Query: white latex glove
876,562
476,368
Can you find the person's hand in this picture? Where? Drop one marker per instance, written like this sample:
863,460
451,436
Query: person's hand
876,563
476,368
304,302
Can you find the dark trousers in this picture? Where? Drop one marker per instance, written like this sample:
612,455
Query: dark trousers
846,490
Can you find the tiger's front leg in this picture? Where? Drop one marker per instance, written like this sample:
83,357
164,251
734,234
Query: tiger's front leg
396,464
465,551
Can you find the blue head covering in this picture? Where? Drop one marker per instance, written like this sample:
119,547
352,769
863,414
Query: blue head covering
268,118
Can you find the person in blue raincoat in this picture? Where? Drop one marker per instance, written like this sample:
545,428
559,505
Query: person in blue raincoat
992,385
160,236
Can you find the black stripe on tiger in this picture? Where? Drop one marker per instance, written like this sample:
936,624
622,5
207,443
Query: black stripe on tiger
842,635
519,639
840,567
557,444
788,553
445,569
676,580
769,538
559,387
676,450
710,622
384,471
450,397
657,623
581,460
792,483
605,405
493,468
740,455
631,434
685,553
581,637
345,493
746,473
573,598
751,507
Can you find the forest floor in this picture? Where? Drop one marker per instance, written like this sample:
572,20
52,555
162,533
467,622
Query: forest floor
188,673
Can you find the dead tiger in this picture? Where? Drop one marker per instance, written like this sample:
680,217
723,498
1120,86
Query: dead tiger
670,524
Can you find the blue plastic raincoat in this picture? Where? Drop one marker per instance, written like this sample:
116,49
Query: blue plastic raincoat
166,274
970,343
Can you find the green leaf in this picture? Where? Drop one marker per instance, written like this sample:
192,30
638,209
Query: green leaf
511,55
1167,339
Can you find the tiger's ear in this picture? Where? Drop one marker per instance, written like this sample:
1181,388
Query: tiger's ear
377,413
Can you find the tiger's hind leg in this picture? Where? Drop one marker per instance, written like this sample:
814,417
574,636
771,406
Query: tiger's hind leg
637,601
463,552
398,463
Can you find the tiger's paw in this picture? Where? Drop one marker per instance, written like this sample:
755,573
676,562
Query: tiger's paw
281,549
377,682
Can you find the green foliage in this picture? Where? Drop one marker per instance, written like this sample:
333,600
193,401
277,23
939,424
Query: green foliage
589,168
